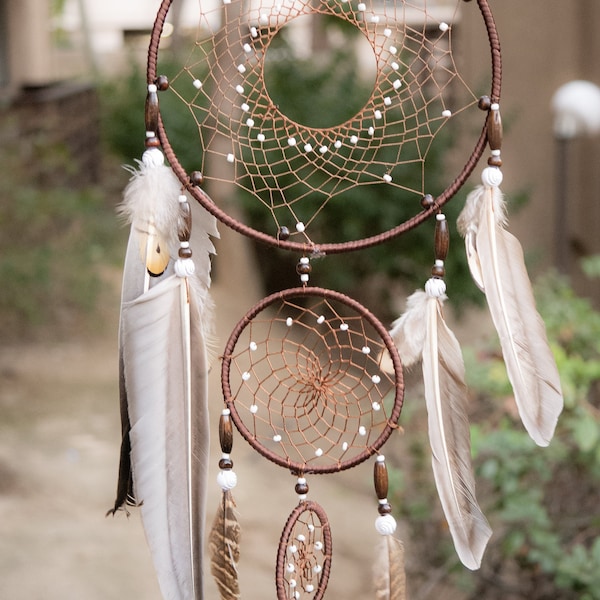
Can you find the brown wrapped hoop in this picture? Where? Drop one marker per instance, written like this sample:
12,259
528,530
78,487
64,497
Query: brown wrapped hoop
302,378
309,246
304,553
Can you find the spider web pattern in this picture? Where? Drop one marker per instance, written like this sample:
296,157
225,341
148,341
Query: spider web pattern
295,171
304,554
306,386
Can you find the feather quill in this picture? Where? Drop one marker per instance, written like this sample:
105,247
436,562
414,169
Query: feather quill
446,399
224,547
163,374
529,361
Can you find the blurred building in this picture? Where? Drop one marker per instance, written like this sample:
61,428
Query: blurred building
543,48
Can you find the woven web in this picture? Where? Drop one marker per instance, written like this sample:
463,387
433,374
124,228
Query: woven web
293,166
307,385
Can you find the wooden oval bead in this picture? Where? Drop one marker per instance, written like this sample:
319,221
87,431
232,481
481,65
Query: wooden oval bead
485,103
226,464
151,112
494,161
162,83
427,201
283,234
494,130
196,178
226,434
185,253
380,479
441,239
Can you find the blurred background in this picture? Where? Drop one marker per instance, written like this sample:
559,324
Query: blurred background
72,88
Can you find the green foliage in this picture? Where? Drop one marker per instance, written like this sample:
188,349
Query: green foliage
543,502
55,245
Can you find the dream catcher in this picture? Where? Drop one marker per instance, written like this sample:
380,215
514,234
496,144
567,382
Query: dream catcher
310,377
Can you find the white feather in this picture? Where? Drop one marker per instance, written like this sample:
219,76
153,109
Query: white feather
408,331
446,397
529,361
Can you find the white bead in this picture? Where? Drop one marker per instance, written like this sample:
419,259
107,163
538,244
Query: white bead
378,114
495,106
344,327
374,18
260,137
387,101
253,409
184,267
393,50
362,430
345,446
366,350
250,122
289,321
291,568
227,480
182,198
323,149
247,48
264,19
230,158
491,176
253,346
225,412
376,406
300,227
444,27
245,107
353,139
239,89
153,158
387,32
387,178
397,84
435,287
395,66
308,148
385,524
292,583
246,376
276,438
304,277
440,217
318,546
321,320
337,144
253,32
152,89
197,84
310,588
304,260
446,113
376,379
293,549
291,141
380,458
362,7
241,68
319,452
301,538
317,568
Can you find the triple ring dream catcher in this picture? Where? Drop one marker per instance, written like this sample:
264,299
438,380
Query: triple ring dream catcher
311,379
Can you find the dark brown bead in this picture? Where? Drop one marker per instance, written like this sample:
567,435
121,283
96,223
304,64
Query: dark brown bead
196,178
151,112
441,239
303,268
162,83
226,434
494,161
185,253
283,234
301,488
427,201
384,509
226,464
380,479
438,271
152,142
494,130
485,102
